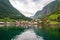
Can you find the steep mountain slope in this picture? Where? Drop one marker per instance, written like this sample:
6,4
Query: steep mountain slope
47,10
7,10
55,16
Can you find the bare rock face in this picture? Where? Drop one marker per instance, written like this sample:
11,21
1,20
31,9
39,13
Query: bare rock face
52,7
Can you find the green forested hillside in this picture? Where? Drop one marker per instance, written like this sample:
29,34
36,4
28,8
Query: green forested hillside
55,16
8,11
51,8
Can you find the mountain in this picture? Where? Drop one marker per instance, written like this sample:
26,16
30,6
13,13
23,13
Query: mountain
55,16
37,15
47,10
7,10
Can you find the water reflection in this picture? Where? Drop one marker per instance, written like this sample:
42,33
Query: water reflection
39,33
6,33
28,35
48,34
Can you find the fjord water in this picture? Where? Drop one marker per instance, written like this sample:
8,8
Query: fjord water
29,33
38,33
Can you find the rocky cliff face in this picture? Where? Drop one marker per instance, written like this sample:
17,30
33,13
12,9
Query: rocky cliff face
47,10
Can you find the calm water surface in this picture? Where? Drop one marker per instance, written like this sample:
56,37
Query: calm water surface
28,34
38,33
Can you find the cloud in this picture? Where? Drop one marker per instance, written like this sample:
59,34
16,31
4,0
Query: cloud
29,7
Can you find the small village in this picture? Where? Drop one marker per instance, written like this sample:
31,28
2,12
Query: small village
29,19
23,23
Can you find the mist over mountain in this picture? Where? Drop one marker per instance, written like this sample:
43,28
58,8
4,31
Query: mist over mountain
47,10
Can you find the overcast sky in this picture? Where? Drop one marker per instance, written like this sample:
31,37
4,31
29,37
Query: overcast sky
29,7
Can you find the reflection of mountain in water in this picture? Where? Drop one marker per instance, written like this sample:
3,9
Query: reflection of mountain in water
49,34
28,35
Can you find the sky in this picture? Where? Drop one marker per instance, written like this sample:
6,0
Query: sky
29,7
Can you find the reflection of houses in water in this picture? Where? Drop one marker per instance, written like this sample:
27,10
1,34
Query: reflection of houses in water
32,23
21,23
6,24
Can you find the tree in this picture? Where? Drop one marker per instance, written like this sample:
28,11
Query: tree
58,18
